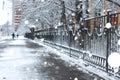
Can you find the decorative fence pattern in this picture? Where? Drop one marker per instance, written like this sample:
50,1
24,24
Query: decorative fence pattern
91,41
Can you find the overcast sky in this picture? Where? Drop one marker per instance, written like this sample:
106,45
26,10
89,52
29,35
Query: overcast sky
7,8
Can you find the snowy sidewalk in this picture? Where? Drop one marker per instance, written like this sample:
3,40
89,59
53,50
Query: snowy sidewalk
79,63
5,37
10,37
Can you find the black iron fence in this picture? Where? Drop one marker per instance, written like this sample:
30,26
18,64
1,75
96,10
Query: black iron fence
92,41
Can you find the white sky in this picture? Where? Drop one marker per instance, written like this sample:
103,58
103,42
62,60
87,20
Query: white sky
7,8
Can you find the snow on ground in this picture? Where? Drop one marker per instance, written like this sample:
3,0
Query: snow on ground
4,37
10,53
17,42
79,63
10,37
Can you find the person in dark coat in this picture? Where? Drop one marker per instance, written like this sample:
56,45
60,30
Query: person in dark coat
17,35
13,35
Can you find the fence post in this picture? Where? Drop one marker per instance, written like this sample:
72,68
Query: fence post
108,35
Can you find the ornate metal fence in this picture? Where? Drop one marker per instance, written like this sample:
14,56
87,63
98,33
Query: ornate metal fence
91,42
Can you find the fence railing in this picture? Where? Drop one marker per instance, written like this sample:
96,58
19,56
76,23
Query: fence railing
91,41
92,60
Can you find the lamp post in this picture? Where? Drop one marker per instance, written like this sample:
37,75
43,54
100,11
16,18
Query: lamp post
108,35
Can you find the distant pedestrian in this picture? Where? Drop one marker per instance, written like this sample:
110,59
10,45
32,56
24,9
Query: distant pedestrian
13,35
17,35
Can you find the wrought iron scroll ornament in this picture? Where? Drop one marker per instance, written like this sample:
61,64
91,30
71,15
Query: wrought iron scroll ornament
89,31
116,25
99,26
90,28
117,30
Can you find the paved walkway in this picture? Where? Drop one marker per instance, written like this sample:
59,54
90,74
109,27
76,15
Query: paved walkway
22,59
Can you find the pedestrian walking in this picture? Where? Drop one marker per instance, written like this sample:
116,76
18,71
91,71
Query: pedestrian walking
17,35
13,35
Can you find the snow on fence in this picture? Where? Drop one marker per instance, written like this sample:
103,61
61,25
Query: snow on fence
92,60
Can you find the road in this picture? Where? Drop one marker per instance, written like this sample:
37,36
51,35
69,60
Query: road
22,59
